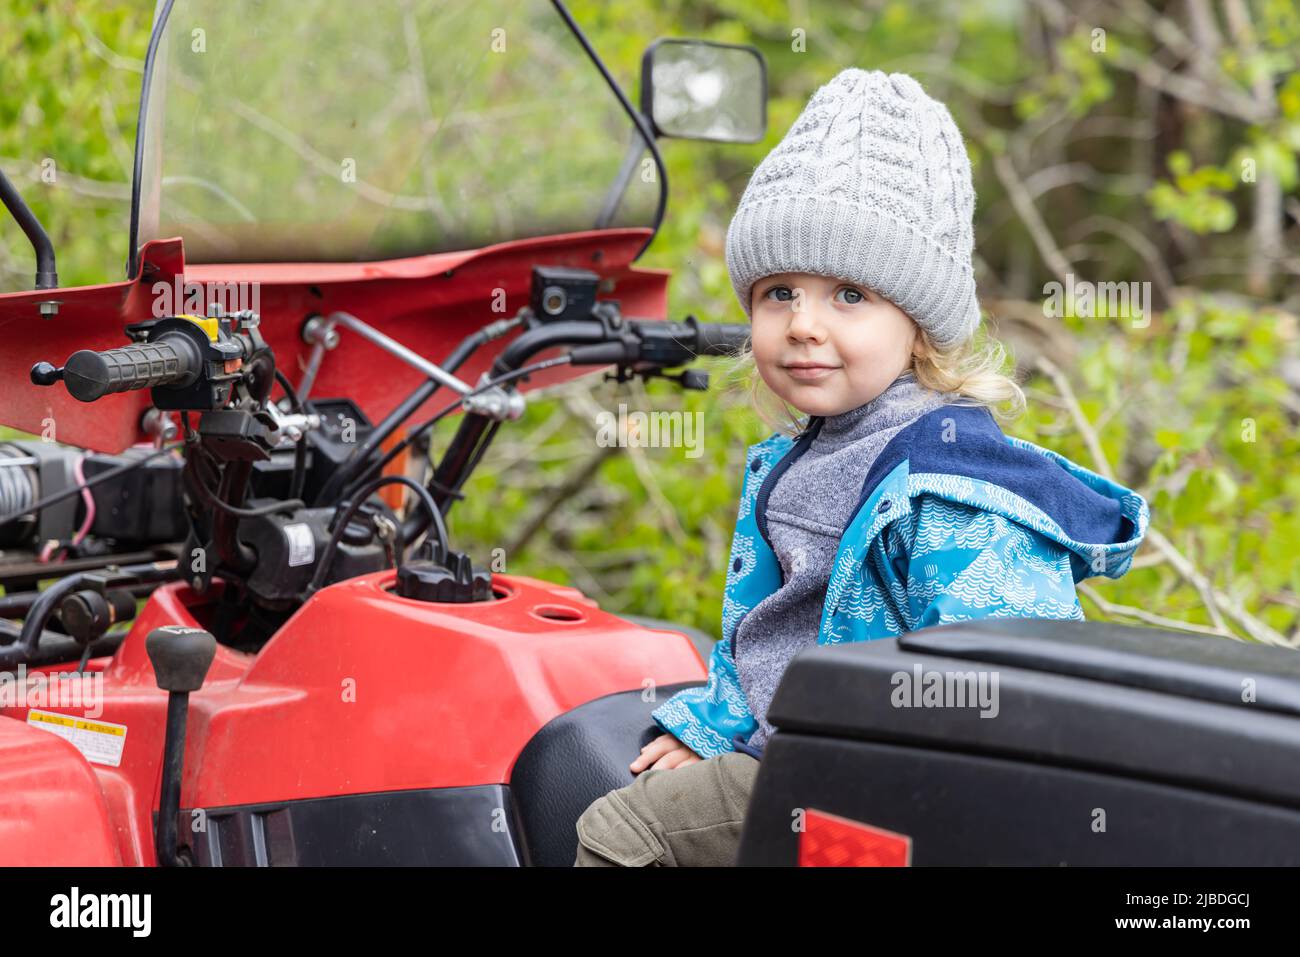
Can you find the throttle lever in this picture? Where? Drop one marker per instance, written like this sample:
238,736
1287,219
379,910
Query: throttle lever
696,379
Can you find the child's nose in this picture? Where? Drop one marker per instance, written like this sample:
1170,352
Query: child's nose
806,321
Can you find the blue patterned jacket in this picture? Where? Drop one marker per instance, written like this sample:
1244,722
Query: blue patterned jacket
955,521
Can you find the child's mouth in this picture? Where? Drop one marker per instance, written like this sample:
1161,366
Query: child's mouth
809,373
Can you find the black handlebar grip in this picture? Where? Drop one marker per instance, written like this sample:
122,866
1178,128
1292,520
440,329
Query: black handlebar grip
169,360
720,338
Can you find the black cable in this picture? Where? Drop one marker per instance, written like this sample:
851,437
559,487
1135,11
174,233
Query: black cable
479,451
210,498
89,483
435,515
289,390
505,377
206,468
394,451
299,477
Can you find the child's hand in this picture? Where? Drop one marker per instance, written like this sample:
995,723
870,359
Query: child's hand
664,751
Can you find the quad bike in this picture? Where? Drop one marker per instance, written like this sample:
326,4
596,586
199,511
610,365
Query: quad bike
295,669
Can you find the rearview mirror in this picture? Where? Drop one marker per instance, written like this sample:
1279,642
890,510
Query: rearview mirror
701,90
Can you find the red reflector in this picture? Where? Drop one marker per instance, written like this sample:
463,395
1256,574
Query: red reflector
829,840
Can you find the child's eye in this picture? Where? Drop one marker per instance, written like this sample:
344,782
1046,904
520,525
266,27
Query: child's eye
852,296
775,294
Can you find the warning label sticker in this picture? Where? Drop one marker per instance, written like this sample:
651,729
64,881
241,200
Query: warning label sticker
101,742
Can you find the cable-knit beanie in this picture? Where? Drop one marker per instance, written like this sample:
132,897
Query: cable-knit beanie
872,185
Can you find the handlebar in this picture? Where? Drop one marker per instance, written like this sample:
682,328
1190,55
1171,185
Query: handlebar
195,364
664,344
190,363
652,342
720,338
171,360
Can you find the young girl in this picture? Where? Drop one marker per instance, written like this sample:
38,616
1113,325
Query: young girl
897,502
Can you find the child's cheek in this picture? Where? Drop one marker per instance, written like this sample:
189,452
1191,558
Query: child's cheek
766,369
764,339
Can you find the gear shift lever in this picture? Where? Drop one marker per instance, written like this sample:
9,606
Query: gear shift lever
181,658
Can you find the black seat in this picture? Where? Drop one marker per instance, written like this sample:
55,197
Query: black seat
574,759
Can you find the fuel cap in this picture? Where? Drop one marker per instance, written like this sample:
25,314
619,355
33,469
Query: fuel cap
455,581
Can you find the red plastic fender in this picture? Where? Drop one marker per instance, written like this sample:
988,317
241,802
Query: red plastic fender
52,811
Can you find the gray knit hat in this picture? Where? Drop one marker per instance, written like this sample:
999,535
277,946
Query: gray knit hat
871,184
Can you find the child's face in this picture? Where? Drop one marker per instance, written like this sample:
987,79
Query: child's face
858,340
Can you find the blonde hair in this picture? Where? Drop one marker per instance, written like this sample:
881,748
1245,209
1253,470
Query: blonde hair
970,371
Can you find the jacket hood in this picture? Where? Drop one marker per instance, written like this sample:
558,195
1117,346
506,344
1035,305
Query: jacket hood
960,453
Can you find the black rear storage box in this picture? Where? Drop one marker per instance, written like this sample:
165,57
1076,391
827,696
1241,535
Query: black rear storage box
1036,742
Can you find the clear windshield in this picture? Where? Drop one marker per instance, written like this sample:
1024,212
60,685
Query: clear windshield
330,131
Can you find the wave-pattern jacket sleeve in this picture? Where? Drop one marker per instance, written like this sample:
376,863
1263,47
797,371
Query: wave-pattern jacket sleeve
706,719
959,562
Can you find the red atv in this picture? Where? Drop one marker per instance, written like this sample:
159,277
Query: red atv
329,255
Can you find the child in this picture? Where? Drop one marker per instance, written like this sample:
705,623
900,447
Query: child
898,503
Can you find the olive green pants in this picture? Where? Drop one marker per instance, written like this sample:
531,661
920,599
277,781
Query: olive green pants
673,817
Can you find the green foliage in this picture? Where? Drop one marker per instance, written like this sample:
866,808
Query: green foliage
69,89
1195,197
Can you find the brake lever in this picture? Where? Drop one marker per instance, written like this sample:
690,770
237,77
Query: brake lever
695,379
